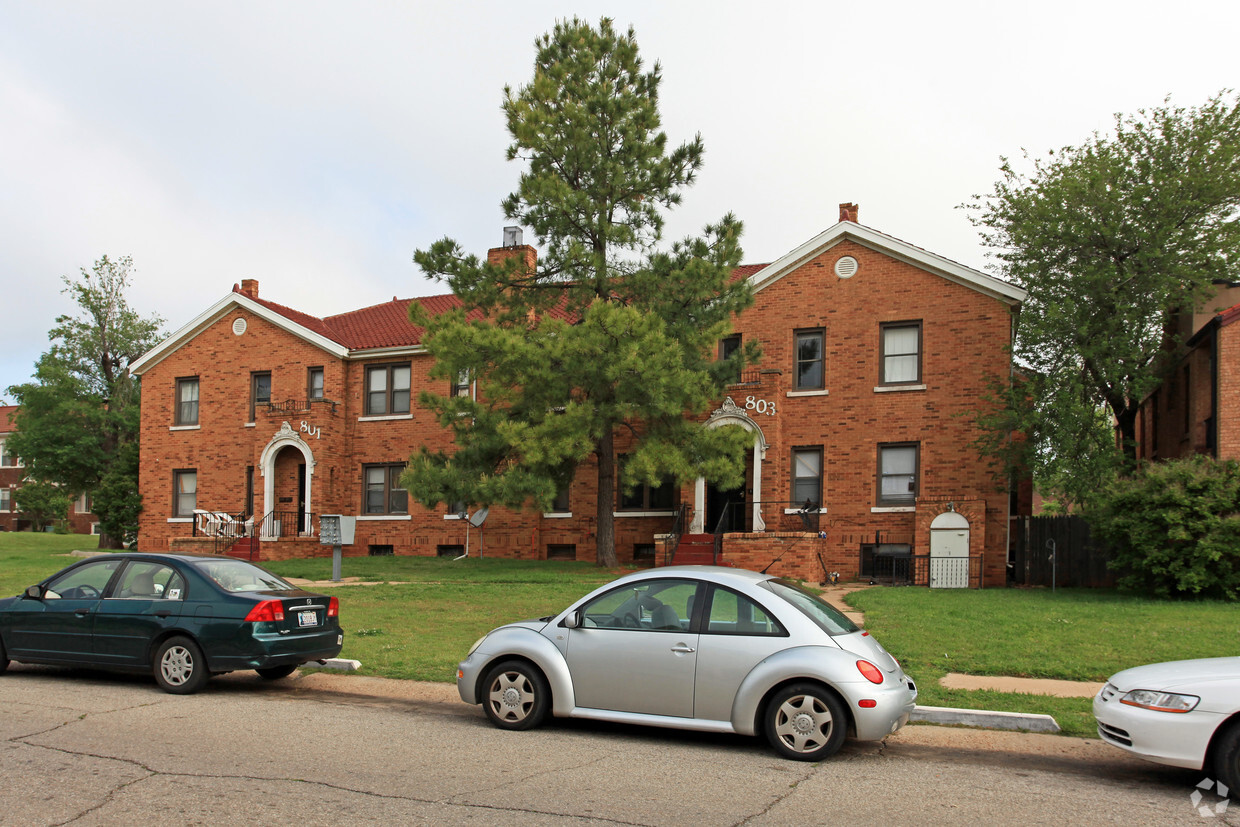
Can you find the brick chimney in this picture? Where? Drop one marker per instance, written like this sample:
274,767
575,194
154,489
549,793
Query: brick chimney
249,287
848,212
513,248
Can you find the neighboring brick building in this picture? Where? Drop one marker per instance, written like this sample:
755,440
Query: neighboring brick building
876,354
13,473
1196,410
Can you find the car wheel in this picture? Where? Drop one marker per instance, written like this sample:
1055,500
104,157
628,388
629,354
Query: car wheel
179,666
806,722
274,673
516,695
1227,759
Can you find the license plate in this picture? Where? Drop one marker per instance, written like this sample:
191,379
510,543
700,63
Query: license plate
307,619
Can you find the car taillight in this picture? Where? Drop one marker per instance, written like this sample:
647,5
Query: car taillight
268,610
871,672
333,607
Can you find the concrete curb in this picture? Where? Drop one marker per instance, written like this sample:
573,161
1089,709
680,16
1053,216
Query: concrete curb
343,664
984,718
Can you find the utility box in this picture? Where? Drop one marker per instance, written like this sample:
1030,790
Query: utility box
336,530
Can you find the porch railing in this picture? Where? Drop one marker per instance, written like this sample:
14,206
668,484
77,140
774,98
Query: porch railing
679,526
287,523
776,515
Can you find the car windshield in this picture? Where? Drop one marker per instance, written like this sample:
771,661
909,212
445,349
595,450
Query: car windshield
240,576
826,616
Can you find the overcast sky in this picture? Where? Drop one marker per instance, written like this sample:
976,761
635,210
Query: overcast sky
314,146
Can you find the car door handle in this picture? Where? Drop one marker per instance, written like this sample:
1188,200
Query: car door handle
682,649
163,613
81,612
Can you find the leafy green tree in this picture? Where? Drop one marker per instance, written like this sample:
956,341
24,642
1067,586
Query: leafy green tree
42,503
1110,239
609,333
1175,528
77,424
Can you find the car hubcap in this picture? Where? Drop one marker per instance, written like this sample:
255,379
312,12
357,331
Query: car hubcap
511,696
177,665
803,723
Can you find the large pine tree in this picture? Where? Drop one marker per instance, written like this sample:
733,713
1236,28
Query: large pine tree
609,332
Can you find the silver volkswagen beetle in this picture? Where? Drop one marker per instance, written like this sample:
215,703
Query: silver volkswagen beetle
696,647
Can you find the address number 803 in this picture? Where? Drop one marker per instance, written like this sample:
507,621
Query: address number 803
759,406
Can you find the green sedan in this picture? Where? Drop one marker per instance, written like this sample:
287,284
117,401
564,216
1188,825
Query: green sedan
183,617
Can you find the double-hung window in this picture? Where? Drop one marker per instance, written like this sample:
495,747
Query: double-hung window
6,499
260,391
810,372
897,473
383,494
807,478
314,384
463,384
387,389
186,408
728,346
7,460
645,497
901,353
184,492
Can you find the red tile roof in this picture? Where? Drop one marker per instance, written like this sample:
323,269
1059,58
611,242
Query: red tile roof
387,324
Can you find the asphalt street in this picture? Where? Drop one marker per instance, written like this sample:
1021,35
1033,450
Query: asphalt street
86,748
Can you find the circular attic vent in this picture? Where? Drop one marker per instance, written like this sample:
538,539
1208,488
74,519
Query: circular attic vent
239,323
846,267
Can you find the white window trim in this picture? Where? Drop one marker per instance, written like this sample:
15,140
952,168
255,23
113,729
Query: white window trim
190,427
618,514
893,509
383,517
384,418
452,516
180,519
894,388
822,392
822,510
557,515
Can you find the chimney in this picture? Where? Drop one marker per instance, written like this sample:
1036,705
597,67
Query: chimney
249,287
513,248
848,212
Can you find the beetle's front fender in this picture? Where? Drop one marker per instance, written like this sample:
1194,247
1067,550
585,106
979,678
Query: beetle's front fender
522,643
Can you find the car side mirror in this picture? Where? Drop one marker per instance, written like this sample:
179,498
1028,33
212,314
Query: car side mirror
33,592
572,620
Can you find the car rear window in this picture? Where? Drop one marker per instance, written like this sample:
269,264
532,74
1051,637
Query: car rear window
826,616
240,576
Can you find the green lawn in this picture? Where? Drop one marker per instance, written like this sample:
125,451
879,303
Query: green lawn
427,612
1071,634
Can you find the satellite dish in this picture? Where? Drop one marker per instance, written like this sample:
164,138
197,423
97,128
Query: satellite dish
479,517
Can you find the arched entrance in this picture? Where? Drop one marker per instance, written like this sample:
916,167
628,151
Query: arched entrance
287,468
709,502
949,551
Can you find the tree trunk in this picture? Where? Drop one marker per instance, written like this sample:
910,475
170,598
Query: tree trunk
1126,425
110,542
605,519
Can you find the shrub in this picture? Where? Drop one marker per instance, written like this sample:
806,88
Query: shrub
1175,528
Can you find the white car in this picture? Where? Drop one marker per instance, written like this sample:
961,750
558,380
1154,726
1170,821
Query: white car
1185,713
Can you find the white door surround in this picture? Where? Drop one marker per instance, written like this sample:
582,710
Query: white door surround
286,437
729,413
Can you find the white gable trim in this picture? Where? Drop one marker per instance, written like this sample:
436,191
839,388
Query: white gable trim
218,311
897,249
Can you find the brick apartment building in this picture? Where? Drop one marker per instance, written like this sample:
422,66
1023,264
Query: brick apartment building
13,474
875,356
1195,410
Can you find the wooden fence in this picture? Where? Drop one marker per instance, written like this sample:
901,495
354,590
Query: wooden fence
1058,549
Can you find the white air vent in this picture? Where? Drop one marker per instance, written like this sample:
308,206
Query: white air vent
845,267
239,323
